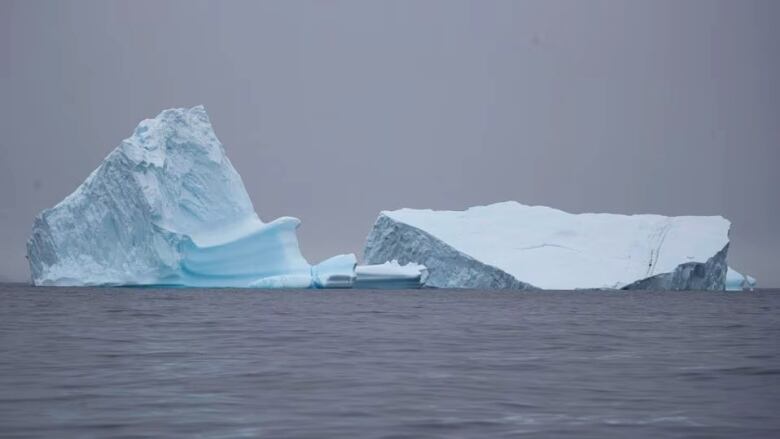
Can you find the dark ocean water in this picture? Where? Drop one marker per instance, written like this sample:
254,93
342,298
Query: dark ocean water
476,364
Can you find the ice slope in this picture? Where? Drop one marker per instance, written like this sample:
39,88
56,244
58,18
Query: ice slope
166,207
510,245
736,281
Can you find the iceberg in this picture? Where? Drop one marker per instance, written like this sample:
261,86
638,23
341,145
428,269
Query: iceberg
736,281
513,246
166,207
391,275
335,272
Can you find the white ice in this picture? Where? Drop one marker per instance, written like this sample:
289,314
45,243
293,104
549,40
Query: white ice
335,272
391,275
166,207
511,245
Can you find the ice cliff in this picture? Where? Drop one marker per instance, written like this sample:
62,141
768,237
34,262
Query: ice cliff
510,245
166,207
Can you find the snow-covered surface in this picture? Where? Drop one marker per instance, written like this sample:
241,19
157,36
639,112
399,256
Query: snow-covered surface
391,275
335,272
166,207
511,245
736,281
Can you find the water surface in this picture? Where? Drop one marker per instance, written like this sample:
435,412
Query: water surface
237,363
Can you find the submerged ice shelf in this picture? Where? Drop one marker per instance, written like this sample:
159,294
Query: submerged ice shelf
514,246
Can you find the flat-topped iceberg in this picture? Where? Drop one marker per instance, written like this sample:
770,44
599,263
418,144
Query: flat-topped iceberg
166,207
514,246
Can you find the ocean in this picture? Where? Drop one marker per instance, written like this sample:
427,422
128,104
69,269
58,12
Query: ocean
138,362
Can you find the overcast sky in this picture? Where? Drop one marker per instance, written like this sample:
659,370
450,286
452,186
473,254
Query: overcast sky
334,110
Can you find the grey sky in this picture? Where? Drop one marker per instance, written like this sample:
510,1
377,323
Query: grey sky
332,111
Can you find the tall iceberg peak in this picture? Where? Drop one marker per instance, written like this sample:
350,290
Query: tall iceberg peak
511,245
165,207
185,177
